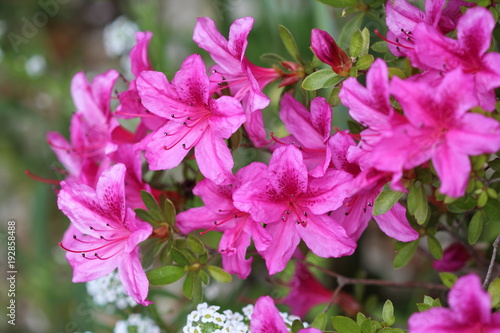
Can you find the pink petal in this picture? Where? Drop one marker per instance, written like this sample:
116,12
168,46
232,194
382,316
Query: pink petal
474,31
325,237
478,135
469,301
238,34
191,81
453,168
233,247
266,318
287,172
134,278
395,224
285,240
214,158
139,54
227,116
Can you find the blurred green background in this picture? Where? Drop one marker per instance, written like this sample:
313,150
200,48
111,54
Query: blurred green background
42,45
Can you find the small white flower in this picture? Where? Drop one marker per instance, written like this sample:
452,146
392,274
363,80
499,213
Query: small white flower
109,290
142,324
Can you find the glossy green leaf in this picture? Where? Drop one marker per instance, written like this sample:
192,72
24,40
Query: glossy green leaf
272,58
417,203
179,257
289,42
388,313
165,275
152,206
348,30
495,164
476,226
494,291
320,321
195,244
219,274
492,211
333,98
356,44
435,247
448,279
297,325
364,62
169,211
394,71
321,79
405,254
380,47
188,285
345,325
385,200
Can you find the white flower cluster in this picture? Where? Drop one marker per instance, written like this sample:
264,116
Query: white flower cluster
119,36
206,319
137,323
109,290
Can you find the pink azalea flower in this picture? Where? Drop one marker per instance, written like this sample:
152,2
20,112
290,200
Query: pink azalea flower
94,132
244,79
266,318
324,47
371,106
469,312
195,120
294,207
130,101
104,233
220,214
440,129
309,131
454,258
366,185
402,17
433,50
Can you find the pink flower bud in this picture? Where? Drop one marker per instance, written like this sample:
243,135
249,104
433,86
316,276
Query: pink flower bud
325,48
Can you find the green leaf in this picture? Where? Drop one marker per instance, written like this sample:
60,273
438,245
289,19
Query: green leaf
320,321
482,199
297,325
165,275
345,325
219,274
195,244
380,47
144,215
495,164
360,318
321,79
179,257
385,200
348,30
388,313
405,254
417,203
235,140
364,62
339,3
366,326
272,58
448,279
492,210
494,291
169,211
356,44
333,98
476,226
289,42
462,204
394,71
197,288
204,277
435,247
152,206
423,307
188,285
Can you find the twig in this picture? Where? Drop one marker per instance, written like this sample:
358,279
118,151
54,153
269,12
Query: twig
341,285
492,262
372,282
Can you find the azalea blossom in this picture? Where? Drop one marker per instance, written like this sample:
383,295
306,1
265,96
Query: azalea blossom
433,50
220,214
454,258
94,132
244,79
469,312
324,47
195,120
439,128
309,131
104,232
294,207
366,185
266,318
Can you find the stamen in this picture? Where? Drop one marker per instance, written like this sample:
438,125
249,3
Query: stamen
41,179
391,42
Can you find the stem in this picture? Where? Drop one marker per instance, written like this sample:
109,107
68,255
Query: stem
343,281
341,285
492,262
